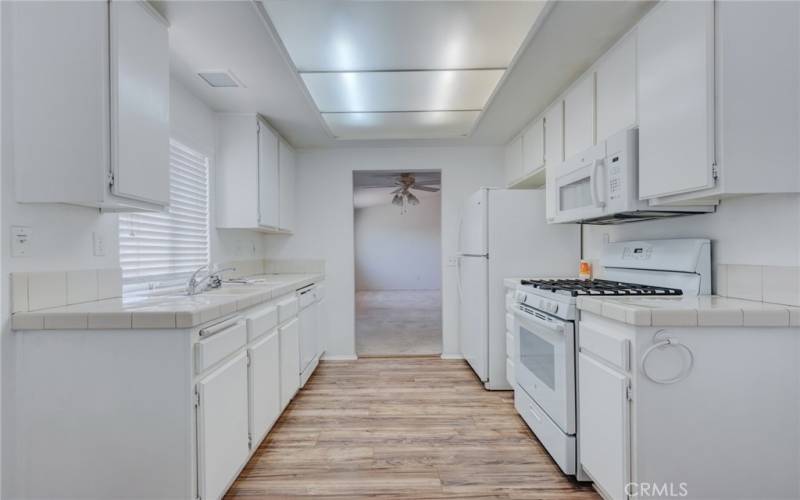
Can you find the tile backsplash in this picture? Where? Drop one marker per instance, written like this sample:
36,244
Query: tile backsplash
42,290
774,284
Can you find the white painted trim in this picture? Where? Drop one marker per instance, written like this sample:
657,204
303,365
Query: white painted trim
339,357
451,356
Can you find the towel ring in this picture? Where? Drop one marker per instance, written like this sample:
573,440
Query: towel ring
668,341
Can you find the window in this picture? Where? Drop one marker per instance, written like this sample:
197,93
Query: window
160,250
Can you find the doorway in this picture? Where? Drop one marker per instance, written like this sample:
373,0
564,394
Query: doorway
398,262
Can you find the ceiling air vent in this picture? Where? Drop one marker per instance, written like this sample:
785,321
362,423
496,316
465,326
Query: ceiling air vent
220,79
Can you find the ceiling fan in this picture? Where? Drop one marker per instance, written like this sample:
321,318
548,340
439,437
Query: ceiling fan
402,196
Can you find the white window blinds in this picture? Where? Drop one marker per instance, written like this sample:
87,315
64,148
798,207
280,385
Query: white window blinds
160,250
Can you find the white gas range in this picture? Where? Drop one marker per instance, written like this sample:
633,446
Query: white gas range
545,329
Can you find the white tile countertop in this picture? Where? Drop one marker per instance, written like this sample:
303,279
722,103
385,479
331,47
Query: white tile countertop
163,311
703,310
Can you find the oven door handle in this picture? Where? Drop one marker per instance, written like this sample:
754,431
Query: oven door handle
556,327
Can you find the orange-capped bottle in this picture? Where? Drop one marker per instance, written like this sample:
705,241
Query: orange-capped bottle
585,270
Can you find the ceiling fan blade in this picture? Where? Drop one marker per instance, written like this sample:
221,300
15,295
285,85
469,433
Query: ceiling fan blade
396,190
426,188
432,182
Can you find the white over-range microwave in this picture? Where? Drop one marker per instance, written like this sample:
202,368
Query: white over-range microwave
601,186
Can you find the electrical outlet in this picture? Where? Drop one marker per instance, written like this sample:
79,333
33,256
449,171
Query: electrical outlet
20,241
452,261
98,244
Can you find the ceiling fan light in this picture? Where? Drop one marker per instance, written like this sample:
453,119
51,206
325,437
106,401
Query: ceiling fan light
397,200
412,200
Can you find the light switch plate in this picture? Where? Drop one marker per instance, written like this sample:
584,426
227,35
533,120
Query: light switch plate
20,241
98,244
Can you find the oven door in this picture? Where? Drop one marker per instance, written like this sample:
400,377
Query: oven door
579,188
545,365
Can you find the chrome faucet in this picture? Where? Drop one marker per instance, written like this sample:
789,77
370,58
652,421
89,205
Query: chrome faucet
211,280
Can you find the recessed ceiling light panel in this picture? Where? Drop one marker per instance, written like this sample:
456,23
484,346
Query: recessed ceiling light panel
402,90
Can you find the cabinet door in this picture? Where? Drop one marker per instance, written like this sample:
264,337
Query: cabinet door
139,103
286,158
513,160
676,98
533,147
579,117
59,93
268,178
264,385
616,89
290,361
222,428
553,152
604,412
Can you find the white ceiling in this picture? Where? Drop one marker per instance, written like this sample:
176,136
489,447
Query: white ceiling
238,36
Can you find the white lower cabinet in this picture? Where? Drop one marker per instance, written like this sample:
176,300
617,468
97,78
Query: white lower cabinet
290,360
604,416
264,385
222,426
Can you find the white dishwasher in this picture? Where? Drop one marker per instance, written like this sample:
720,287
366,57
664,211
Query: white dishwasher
307,302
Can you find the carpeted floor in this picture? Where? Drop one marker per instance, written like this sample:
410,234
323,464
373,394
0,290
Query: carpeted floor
398,322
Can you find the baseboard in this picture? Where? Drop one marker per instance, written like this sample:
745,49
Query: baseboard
339,357
446,355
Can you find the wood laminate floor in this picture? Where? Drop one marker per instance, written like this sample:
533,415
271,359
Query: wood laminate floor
402,428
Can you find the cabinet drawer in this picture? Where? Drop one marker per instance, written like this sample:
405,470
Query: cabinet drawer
219,345
509,322
510,345
609,346
287,308
561,446
307,297
261,321
510,374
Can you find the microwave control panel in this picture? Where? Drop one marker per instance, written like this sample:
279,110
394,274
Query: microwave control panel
615,177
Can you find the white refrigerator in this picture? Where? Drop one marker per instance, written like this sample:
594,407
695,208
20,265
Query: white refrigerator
503,234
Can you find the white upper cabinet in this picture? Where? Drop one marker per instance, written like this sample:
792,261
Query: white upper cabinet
718,100
553,150
533,147
268,177
514,160
616,88
579,116
287,162
139,103
254,175
89,106
676,98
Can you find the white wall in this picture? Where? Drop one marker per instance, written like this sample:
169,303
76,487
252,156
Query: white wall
193,123
395,251
325,221
757,230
